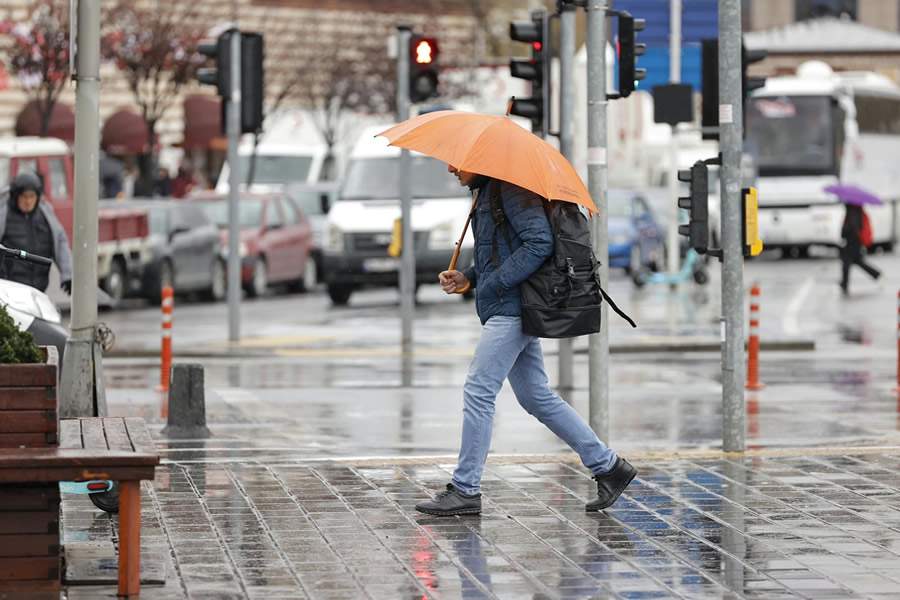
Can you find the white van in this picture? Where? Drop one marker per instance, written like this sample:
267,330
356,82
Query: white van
277,165
360,224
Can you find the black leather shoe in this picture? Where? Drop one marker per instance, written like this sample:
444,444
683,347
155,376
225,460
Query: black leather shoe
451,502
611,485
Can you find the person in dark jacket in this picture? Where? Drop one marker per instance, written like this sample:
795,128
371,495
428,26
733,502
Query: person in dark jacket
28,224
851,252
504,351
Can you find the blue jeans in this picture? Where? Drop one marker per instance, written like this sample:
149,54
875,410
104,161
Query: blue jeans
504,351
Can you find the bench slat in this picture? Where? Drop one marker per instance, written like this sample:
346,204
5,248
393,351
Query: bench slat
70,433
80,473
116,435
72,457
92,433
140,435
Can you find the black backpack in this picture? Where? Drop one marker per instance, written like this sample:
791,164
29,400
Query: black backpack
562,298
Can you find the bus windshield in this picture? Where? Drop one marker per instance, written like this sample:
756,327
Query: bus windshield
794,135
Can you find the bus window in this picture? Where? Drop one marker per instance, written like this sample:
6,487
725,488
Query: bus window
878,115
792,135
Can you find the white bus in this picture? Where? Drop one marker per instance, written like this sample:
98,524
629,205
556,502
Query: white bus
815,129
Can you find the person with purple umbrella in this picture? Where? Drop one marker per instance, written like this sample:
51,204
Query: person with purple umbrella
856,231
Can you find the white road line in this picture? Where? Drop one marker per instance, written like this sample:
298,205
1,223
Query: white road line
791,320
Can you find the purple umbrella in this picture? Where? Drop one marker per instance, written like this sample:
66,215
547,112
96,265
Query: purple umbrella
850,194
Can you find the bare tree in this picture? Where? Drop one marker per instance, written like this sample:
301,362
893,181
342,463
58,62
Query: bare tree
156,51
39,54
332,78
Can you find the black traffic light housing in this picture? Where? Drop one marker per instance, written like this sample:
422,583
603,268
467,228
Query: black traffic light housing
697,205
710,83
629,50
252,75
535,70
423,75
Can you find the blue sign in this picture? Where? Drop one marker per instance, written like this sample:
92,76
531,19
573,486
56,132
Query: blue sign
699,21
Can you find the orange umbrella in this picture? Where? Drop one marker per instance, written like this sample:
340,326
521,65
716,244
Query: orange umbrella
494,146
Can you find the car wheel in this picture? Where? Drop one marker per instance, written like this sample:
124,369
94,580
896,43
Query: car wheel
165,277
259,281
116,281
339,294
219,287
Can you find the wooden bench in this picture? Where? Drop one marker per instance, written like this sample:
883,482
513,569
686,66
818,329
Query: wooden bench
118,449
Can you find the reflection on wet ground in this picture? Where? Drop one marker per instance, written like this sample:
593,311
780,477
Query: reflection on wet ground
781,527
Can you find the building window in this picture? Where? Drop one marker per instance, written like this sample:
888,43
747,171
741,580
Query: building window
811,9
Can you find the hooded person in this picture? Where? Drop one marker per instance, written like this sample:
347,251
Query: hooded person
27,223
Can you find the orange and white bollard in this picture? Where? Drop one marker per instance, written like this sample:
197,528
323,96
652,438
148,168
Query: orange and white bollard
897,389
753,344
165,367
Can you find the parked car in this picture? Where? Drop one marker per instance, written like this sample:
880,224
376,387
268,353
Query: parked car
276,239
314,200
636,237
183,252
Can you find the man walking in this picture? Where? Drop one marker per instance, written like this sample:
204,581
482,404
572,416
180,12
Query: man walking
28,224
502,263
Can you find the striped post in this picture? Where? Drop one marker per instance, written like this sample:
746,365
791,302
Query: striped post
753,344
897,389
168,303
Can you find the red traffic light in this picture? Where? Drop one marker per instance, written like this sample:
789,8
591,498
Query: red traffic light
424,51
537,46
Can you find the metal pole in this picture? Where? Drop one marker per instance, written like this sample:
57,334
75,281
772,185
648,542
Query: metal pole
233,126
597,174
731,135
566,146
82,363
407,256
674,77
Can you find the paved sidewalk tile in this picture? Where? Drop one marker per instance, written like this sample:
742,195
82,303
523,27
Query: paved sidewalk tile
760,527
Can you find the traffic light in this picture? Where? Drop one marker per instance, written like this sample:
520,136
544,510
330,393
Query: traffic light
629,50
423,76
220,53
748,57
752,245
252,75
252,82
697,205
535,70
710,82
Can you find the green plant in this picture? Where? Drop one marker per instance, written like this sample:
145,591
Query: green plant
16,346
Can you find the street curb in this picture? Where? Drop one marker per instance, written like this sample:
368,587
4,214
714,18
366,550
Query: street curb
624,348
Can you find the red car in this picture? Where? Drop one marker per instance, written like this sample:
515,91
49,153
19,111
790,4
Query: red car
276,240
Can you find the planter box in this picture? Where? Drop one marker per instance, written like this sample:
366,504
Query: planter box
28,413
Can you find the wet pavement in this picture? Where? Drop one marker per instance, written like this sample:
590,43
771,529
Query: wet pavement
305,488
759,527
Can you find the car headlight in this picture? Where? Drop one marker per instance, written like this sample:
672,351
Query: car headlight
31,302
441,237
334,239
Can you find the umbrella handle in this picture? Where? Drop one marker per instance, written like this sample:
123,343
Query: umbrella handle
455,258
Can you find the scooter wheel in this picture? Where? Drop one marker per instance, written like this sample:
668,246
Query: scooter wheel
701,277
107,501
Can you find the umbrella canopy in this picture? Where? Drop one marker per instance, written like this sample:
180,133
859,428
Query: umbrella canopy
494,146
851,194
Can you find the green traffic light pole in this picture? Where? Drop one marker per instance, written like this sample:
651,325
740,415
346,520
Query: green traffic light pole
407,257
731,144
81,384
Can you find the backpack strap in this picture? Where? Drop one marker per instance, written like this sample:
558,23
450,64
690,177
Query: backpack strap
500,222
612,303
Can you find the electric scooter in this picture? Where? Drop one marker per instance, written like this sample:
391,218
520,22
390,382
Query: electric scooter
34,312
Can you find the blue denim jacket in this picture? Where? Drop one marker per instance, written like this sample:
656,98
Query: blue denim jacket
530,244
